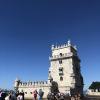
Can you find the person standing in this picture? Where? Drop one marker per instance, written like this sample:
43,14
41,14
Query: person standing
22,93
35,94
20,97
0,95
49,96
41,93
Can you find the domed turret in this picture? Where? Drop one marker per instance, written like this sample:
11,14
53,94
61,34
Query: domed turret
16,83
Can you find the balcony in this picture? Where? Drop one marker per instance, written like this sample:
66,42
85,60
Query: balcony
63,56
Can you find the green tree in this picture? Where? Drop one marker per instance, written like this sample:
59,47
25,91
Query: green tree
54,87
95,85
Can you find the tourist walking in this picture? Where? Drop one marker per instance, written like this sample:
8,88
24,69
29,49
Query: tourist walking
40,93
35,94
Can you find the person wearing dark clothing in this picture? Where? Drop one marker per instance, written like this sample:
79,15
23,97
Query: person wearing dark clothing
0,95
22,93
13,96
62,97
3,95
17,93
49,96
41,93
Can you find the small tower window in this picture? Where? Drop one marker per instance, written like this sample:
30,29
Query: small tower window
61,78
60,61
61,71
60,54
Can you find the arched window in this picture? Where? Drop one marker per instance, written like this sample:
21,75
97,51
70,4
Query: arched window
61,78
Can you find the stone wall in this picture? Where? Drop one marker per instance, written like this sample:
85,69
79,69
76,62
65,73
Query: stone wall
29,87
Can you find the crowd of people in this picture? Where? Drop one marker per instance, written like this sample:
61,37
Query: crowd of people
38,95
58,96
20,95
11,95
62,96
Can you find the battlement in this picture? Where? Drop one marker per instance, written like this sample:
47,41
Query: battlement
66,55
35,83
66,45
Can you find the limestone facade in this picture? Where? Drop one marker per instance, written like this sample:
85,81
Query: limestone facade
64,69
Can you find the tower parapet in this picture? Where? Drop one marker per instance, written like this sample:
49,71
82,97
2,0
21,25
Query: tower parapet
54,47
35,83
63,51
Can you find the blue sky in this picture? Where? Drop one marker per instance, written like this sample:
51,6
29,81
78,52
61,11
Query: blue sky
28,28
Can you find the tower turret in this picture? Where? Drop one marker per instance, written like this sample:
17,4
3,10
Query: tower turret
16,84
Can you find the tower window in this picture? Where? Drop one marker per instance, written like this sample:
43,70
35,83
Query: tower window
60,69
61,78
60,61
61,73
60,54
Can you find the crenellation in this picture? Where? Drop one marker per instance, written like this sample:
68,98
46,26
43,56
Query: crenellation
29,83
52,47
55,47
35,83
69,43
75,47
20,83
63,55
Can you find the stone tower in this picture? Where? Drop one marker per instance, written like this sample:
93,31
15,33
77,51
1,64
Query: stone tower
65,68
